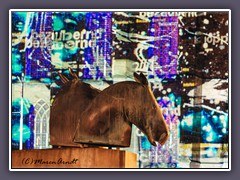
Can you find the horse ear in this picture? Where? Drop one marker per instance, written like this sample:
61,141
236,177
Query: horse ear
140,78
63,78
74,75
136,77
144,79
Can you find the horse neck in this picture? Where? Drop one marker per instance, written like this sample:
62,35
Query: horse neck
129,93
135,100
117,98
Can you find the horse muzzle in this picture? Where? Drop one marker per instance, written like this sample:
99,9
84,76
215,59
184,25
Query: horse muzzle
163,138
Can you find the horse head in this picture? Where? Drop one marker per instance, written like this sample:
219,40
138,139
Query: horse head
67,107
109,117
146,114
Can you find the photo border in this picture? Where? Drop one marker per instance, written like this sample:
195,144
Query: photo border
116,169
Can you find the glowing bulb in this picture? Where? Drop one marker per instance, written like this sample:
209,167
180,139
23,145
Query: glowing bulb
210,137
224,130
208,128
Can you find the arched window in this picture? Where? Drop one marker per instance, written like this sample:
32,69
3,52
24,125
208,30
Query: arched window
41,125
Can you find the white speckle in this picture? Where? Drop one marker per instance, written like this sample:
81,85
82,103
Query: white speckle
205,45
226,23
186,53
180,32
208,128
80,74
169,90
211,101
164,92
224,130
170,53
221,117
206,21
166,98
222,47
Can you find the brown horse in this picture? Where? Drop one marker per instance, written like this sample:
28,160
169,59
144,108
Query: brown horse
67,108
108,119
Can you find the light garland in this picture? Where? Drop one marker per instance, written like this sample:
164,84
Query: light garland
165,49
98,57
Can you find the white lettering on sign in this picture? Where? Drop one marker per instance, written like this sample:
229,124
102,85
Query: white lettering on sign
59,40
214,39
160,14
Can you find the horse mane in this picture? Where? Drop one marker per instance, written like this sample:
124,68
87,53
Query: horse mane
68,85
120,88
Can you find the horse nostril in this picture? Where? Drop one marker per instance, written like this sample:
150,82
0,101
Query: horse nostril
163,138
